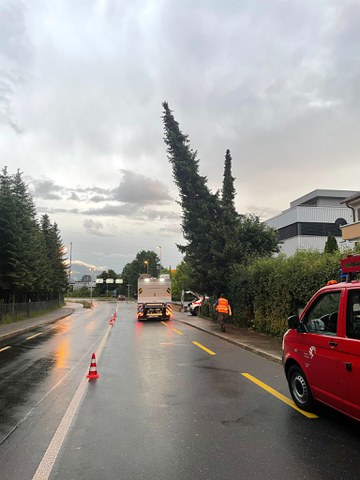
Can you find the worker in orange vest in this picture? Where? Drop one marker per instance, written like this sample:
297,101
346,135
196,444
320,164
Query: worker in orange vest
223,310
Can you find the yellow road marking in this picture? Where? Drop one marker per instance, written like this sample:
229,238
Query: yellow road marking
210,352
177,331
5,348
174,329
278,395
33,336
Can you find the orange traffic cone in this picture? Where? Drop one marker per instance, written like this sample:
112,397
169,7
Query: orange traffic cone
92,370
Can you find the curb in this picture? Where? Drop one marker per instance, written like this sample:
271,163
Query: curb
30,328
257,351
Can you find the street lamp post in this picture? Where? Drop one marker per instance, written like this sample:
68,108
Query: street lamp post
159,247
91,285
147,266
128,290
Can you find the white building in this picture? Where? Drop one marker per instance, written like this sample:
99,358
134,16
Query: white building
309,220
352,230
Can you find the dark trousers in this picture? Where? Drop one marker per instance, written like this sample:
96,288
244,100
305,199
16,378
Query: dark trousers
221,320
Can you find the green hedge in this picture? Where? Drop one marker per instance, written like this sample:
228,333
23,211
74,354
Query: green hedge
264,293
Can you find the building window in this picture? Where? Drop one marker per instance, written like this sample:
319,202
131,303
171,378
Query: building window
309,229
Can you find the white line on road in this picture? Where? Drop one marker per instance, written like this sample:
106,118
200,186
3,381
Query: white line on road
5,348
33,336
44,469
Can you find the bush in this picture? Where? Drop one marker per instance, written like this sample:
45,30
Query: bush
264,293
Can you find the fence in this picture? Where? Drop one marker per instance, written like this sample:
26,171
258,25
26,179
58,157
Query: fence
27,309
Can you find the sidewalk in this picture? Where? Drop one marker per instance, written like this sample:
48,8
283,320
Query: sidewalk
258,343
22,326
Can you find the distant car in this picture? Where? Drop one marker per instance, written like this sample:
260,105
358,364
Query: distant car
121,298
195,305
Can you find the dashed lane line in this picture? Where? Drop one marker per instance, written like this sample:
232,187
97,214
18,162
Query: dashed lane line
177,331
278,395
33,336
207,350
5,348
173,329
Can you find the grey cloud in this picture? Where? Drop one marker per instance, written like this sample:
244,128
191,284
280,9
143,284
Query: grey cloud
98,198
136,188
95,228
170,230
161,214
133,212
135,191
94,189
110,211
74,196
42,209
46,188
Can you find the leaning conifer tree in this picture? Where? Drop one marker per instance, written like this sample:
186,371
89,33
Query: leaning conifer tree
202,213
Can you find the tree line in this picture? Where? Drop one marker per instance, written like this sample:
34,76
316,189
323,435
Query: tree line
32,256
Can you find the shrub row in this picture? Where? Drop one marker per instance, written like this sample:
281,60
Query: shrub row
264,293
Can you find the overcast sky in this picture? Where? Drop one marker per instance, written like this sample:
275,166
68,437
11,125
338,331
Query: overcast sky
81,87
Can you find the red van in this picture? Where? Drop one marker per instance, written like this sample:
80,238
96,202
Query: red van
321,349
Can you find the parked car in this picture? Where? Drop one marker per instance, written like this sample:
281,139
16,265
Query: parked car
321,349
195,305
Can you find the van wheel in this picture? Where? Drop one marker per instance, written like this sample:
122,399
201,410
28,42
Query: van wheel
299,388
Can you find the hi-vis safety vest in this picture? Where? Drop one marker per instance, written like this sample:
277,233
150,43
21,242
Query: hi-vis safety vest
222,306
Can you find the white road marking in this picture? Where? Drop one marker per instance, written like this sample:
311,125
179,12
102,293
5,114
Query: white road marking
33,336
5,348
44,469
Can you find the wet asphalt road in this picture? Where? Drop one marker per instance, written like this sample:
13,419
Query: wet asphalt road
163,407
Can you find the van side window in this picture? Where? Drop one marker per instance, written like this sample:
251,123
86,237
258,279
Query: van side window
353,315
322,317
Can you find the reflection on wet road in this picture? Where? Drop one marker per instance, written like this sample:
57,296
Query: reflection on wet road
33,364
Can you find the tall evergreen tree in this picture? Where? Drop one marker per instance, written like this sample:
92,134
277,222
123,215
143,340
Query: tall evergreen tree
228,191
202,213
8,259
58,278
60,264
28,246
